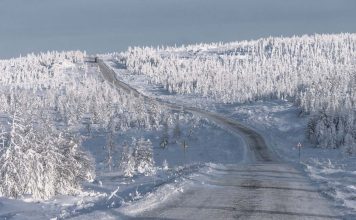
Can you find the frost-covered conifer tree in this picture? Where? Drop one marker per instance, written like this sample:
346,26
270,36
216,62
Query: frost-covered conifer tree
137,158
40,161
110,144
127,161
143,155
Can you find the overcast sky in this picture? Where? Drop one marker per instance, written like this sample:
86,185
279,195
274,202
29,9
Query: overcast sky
113,25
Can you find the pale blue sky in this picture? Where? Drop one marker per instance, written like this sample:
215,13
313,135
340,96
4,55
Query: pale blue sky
113,25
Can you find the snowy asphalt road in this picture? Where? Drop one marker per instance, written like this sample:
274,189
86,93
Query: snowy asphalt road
263,187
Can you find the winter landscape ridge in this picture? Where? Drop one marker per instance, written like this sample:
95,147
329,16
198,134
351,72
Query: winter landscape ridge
260,129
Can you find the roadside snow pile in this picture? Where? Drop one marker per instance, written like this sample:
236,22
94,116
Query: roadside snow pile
316,72
338,177
151,200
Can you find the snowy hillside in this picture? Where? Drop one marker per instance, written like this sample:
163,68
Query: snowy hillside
315,72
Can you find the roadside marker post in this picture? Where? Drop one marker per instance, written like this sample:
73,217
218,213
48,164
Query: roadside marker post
299,146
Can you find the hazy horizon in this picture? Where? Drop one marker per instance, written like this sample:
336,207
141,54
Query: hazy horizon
28,26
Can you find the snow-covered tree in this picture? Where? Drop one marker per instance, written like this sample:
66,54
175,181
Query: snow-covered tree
143,155
42,162
110,145
127,161
137,158
3,138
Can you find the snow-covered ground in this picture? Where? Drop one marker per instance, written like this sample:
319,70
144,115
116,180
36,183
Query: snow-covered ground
283,126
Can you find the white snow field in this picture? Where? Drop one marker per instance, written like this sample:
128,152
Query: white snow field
195,132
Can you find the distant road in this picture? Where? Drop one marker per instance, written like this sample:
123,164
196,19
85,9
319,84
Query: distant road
264,187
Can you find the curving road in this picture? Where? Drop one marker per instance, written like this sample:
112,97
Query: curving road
257,151
262,188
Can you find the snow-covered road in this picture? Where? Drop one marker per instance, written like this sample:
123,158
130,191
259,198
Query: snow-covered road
261,187
253,191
